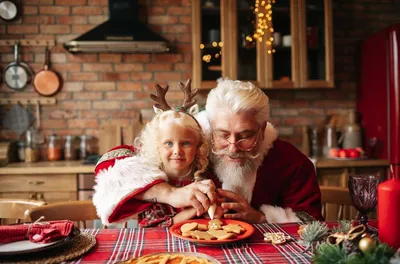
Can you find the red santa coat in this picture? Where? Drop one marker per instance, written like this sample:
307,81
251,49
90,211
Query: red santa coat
284,189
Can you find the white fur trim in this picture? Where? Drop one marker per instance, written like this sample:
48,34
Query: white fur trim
117,182
270,135
157,110
193,109
275,214
202,118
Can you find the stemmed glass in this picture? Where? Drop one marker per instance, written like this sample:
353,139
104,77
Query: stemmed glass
363,193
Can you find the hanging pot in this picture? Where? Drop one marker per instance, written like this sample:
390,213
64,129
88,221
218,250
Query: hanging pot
8,10
47,82
17,74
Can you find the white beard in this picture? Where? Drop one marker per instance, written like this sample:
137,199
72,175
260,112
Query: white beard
238,178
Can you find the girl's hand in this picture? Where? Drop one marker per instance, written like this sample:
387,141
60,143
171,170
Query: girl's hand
185,214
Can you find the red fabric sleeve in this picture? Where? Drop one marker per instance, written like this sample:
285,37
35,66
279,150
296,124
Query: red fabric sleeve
130,206
304,194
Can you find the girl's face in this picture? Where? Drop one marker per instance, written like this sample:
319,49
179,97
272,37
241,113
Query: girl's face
177,146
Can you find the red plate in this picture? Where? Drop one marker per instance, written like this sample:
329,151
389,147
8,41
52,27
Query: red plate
175,230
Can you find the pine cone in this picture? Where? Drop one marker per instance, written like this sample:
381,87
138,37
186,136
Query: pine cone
350,247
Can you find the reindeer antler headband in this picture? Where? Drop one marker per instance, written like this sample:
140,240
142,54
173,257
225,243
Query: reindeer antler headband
188,101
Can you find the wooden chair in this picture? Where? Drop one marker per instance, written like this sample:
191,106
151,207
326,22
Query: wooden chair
339,196
17,209
77,211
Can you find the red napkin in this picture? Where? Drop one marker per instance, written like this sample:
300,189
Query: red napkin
41,232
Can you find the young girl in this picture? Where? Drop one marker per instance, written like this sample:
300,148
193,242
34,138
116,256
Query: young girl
172,147
175,141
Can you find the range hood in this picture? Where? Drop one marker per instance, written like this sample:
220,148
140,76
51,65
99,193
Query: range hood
121,33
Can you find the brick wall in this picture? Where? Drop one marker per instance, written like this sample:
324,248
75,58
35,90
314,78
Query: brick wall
100,87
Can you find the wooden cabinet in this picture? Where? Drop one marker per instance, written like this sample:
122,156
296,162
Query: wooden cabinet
336,173
297,53
50,188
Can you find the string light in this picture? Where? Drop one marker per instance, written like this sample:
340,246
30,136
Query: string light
218,53
263,13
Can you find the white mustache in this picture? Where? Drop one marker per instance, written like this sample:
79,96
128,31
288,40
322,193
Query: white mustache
235,155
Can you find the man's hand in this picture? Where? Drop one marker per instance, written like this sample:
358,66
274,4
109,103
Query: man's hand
198,195
244,211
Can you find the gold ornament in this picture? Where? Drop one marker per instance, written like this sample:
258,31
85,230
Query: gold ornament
367,244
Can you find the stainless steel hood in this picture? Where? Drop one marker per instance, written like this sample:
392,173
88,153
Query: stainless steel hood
122,33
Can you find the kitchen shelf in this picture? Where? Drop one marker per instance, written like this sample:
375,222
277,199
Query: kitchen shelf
27,42
40,101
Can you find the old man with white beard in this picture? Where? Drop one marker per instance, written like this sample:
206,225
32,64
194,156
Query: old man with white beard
264,179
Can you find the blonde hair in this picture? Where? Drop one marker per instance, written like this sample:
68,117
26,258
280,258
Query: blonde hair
147,142
238,96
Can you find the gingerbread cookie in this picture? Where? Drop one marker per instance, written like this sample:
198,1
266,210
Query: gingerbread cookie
215,224
188,227
202,235
277,238
234,228
187,234
221,234
202,227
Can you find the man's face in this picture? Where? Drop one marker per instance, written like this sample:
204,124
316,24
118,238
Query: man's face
229,129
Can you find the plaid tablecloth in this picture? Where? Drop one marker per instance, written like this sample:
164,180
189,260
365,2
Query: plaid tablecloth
114,245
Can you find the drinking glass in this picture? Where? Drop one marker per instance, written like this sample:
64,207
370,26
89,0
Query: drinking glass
363,193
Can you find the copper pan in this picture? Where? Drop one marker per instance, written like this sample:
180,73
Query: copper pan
47,82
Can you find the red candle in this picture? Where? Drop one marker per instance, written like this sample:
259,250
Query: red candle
389,210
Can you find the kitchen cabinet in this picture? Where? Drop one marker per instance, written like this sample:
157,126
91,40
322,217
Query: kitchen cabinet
298,53
336,173
48,188
51,182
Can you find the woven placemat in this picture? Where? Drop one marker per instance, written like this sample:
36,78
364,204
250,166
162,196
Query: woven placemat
78,246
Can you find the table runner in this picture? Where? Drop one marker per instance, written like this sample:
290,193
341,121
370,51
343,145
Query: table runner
114,245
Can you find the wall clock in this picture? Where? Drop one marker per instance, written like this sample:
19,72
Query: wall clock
8,10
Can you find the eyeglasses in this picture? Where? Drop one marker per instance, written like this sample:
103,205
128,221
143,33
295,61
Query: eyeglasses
244,144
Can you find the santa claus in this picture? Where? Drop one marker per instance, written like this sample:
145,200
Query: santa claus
262,178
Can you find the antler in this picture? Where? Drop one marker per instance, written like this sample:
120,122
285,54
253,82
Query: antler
160,98
188,101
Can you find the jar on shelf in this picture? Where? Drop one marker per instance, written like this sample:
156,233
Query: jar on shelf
53,149
69,152
83,148
31,150
21,150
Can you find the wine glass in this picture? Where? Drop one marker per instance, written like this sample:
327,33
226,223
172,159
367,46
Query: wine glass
363,193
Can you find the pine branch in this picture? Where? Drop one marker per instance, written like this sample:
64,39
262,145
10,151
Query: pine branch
327,253
343,227
380,255
314,232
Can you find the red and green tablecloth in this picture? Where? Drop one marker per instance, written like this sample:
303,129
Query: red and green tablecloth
114,245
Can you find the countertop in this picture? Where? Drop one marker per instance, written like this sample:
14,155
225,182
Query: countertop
76,167
48,167
323,163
